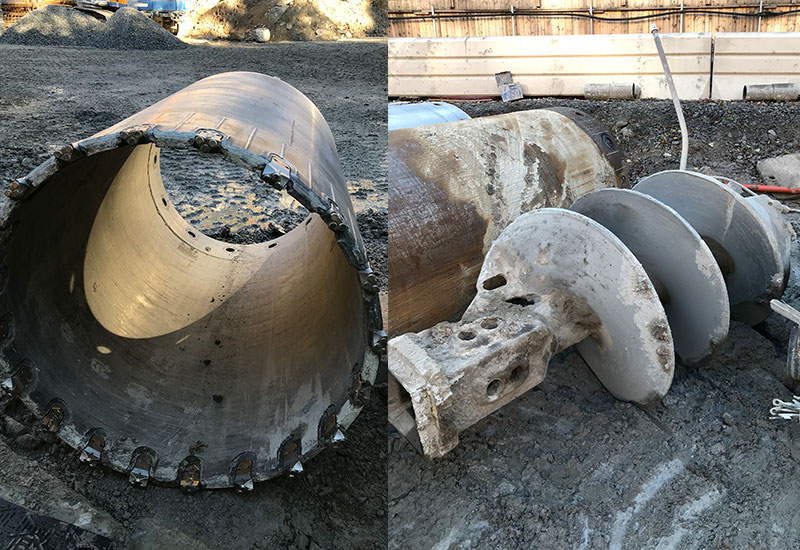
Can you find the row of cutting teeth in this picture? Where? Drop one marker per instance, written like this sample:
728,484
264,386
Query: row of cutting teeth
144,459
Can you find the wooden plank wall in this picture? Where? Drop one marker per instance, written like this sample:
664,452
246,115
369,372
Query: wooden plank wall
742,59
564,25
547,65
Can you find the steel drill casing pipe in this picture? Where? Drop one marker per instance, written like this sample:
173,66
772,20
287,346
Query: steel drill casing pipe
455,186
209,363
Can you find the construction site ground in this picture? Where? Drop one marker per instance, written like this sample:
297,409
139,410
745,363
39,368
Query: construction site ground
51,96
568,466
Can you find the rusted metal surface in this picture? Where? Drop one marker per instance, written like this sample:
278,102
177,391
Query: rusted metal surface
195,361
455,186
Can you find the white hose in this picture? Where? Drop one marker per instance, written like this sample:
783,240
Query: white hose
675,100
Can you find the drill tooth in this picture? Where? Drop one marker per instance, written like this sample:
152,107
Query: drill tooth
189,476
243,475
327,425
379,340
289,455
93,451
296,469
141,469
19,381
54,417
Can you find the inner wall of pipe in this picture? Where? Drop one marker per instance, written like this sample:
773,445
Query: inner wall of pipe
154,323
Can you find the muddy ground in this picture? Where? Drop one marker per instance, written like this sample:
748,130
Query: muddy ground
50,96
569,466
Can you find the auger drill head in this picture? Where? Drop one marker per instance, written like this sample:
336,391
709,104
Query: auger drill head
623,276
167,354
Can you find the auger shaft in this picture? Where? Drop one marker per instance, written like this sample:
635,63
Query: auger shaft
537,296
623,277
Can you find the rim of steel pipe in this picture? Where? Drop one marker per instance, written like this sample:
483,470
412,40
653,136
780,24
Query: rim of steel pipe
165,353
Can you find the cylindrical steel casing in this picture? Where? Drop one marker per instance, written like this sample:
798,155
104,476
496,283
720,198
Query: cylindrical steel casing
160,337
409,115
453,187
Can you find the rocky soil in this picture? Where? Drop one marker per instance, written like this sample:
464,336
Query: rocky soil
569,466
55,95
286,19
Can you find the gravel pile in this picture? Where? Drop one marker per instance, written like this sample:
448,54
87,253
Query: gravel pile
54,26
127,29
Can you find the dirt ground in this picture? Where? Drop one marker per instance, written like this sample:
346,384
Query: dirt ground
50,96
568,466
286,19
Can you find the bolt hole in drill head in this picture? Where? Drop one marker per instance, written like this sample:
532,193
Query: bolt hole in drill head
495,282
523,301
494,388
518,374
490,323
467,335
293,317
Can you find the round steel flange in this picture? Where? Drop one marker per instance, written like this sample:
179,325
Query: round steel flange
680,266
741,239
559,251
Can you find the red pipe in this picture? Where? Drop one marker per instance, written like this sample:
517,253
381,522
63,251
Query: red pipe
772,189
